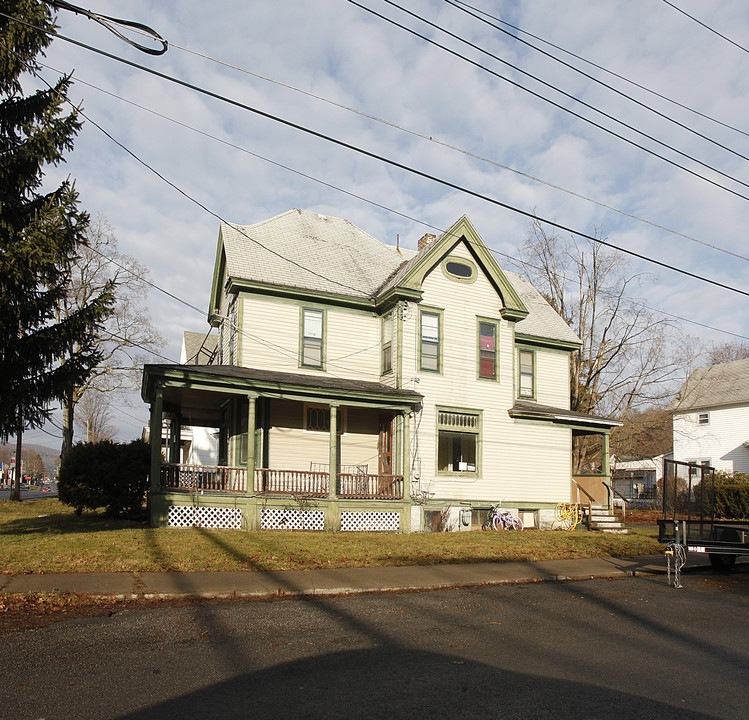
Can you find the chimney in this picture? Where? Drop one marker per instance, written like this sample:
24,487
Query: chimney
426,240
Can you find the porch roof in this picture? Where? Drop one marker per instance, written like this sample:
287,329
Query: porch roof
199,391
582,422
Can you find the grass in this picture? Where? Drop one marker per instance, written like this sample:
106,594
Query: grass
44,536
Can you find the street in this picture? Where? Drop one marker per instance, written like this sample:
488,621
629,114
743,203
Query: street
626,648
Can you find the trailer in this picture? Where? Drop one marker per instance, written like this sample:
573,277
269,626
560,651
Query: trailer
688,518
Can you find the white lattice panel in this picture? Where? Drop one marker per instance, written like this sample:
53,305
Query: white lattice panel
206,517
371,521
287,519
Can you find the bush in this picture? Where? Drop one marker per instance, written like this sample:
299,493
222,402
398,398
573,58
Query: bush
106,475
731,500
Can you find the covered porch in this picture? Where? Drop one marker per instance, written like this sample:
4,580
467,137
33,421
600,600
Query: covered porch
292,449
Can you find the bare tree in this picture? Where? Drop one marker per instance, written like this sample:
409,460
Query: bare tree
94,417
127,336
33,465
727,352
626,359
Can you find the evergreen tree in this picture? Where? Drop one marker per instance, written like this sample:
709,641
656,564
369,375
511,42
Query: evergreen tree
41,229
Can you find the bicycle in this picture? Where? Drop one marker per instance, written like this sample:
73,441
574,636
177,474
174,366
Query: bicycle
567,516
501,519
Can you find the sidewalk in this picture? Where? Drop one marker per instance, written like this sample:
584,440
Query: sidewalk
290,583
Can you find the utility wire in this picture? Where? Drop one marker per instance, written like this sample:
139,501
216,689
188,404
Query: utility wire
707,27
401,128
374,156
601,68
551,102
600,82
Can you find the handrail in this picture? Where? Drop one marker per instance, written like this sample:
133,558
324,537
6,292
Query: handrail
585,492
624,501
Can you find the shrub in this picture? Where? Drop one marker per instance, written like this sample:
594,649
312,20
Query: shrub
731,500
106,475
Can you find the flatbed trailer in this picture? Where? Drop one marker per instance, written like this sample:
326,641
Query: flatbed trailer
688,517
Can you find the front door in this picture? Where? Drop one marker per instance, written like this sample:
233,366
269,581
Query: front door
385,445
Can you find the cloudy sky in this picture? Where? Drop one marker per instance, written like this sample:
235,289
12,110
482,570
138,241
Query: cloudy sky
338,70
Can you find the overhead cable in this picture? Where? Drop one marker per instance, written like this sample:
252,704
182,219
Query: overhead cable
707,27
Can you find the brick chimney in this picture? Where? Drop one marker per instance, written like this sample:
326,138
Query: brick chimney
426,240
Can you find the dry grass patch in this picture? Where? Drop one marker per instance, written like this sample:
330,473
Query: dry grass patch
44,536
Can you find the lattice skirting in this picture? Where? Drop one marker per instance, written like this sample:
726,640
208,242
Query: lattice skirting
371,521
207,517
283,519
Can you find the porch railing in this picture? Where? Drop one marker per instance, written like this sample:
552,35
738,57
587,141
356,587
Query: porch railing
215,478
218,478
381,487
303,482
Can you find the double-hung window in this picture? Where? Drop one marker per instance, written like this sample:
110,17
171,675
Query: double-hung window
430,339
387,344
487,350
526,374
458,441
313,323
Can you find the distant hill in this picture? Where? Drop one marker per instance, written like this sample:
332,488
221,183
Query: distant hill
48,455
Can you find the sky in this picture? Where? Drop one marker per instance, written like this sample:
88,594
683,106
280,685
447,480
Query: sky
173,161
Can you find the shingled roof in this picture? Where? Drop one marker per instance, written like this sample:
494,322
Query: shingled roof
714,386
320,253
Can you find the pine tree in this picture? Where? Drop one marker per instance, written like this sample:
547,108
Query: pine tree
41,230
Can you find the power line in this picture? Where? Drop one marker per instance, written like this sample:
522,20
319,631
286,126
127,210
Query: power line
707,27
381,158
555,104
600,82
601,68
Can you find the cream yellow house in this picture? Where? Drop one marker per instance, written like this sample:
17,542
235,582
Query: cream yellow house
359,386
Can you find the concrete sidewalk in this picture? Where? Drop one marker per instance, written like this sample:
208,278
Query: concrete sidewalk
290,583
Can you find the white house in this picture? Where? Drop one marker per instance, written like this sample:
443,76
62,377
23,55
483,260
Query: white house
359,386
711,417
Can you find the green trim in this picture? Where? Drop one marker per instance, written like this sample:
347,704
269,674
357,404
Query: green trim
537,341
219,271
440,315
461,261
399,349
495,324
477,433
323,311
463,231
533,373
236,285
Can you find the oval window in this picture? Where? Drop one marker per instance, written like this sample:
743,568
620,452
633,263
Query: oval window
459,269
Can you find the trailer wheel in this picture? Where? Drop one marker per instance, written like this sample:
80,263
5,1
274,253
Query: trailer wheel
722,562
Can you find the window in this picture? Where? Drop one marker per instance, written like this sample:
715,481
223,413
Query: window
703,418
488,350
429,347
458,441
312,338
526,373
387,344
459,269
317,418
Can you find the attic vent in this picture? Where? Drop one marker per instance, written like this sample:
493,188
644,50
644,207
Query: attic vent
459,269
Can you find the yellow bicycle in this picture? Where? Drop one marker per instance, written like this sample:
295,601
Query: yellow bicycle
567,516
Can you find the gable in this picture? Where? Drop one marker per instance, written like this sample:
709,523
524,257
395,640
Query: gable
411,276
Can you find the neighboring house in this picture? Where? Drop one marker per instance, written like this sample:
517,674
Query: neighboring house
711,417
358,386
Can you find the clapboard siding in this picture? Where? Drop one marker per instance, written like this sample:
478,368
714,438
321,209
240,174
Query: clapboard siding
721,440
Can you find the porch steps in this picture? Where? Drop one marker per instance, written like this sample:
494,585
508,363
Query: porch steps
603,520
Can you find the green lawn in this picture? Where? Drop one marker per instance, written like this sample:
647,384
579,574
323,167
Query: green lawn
44,536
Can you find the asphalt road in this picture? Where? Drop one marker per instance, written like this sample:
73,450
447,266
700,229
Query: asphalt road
628,648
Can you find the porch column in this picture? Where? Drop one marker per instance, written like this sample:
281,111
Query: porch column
333,452
157,407
251,398
606,468
406,454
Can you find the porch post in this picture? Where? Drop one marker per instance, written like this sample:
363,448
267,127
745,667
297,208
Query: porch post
606,467
157,407
333,452
250,489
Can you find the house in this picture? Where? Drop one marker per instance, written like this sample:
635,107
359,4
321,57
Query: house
360,386
711,417
635,479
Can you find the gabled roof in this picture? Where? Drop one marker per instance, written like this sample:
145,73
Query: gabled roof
714,386
309,253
